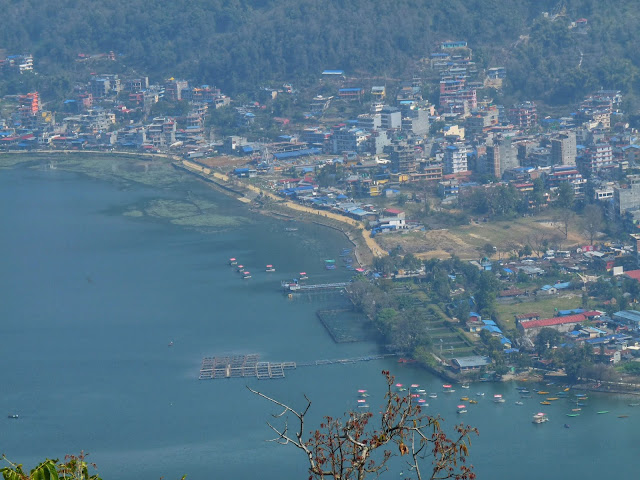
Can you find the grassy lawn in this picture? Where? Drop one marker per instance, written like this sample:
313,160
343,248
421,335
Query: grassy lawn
546,307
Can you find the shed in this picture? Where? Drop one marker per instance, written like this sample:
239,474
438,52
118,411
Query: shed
474,362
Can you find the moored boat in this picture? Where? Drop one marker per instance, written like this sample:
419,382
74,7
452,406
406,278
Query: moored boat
447,388
303,276
519,403
540,418
473,401
497,398
551,399
602,412
433,395
246,275
545,403
233,261
13,415
480,394
540,392
462,409
240,268
465,385
270,268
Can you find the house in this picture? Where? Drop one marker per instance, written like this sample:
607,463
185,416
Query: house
511,293
524,317
531,328
548,290
474,362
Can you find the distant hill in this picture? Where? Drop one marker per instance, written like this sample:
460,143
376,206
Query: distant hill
239,44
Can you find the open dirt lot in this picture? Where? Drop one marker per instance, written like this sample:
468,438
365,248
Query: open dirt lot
467,241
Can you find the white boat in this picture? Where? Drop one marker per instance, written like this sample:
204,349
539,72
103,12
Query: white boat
433,395
240,268
540,418
480,394
363,405
464,385
13,415
246,275
303,276
270,268
447,389
462,409
233,261
519,403
498,398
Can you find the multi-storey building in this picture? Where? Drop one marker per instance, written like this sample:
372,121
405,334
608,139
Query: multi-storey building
598,157
524,115
416,121
173,89
104,85
567,174
370,121
563,149
402,156
455,158
390,118
345,139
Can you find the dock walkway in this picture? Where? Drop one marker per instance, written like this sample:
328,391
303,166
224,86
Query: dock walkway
296,287
238,366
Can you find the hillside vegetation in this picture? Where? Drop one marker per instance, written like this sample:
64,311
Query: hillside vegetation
239,44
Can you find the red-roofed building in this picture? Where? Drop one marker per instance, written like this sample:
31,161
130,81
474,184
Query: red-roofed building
635,274
531,328
393,212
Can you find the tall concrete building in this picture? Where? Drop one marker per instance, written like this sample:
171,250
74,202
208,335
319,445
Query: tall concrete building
402,156
501,156
563,149
455,158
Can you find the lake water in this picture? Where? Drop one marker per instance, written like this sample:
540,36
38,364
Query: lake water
91,299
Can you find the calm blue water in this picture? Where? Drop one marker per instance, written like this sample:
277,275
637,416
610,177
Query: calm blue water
90,300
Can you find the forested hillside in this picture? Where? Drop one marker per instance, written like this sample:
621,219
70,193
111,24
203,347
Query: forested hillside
241,43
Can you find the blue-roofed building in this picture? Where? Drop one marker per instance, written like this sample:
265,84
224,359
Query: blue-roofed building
489,322
474,362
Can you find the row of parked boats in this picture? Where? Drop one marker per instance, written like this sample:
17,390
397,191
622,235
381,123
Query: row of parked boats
246,274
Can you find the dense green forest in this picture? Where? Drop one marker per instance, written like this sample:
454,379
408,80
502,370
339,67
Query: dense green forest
240,44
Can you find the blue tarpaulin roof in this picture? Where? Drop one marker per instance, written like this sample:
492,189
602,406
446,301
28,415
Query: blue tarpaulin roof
297,153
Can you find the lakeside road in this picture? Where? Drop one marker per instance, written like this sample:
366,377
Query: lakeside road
371,244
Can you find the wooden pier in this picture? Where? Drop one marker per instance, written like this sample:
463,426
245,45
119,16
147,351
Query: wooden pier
238,366
297,287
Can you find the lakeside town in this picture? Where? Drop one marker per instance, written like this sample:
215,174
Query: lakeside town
495,240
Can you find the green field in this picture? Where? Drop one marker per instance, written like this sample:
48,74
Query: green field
546,307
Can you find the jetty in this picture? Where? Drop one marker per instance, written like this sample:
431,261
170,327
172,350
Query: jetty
297,287
239,366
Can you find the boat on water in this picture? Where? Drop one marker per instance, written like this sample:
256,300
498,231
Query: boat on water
423,403
623,416
473,401
634,404
303,276
602,412
240,268
480,394
545,403
566,425
290,229
497,398
363,405
246,275
465,385
447,388
13,415
270,268
540,418
540,392
233,261
573,414
576,409
551,399
330,264
464,399
519,403
170,344
524,391
433,395
462,409
362,400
